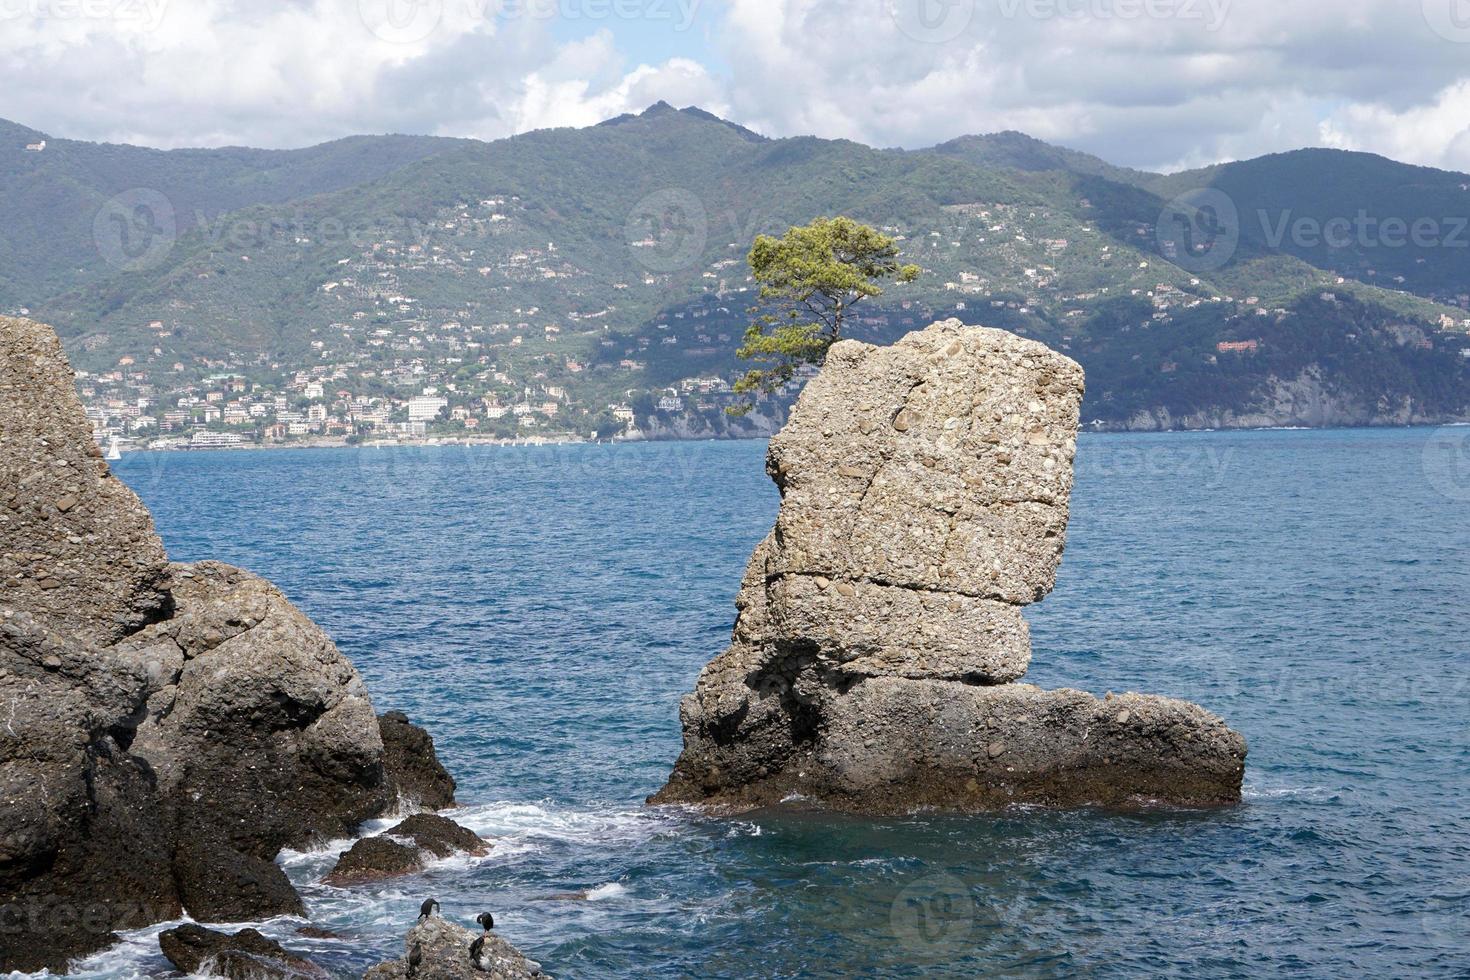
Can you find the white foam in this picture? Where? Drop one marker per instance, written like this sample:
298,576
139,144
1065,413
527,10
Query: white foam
604,892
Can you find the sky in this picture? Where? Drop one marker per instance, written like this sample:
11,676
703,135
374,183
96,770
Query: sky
1156,84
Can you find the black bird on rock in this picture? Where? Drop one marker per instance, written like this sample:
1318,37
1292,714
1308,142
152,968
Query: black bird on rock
415,957
477,948
477,952
429,907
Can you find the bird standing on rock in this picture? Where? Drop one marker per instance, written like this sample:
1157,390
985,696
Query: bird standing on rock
477,948
415,957
429,907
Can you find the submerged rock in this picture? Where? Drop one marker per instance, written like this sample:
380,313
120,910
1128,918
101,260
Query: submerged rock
405,849
245,955
437,949
924,502
169,727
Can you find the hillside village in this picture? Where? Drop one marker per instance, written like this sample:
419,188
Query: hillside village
494,317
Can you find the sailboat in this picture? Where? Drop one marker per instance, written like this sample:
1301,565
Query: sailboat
114,449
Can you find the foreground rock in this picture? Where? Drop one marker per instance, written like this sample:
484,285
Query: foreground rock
440,950
404,849
924,502
246,955
169,728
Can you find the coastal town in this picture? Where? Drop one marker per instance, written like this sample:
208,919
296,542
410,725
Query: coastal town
463,329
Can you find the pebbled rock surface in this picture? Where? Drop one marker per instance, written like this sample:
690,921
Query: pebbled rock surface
413,768
77,547
220,884
258,716
245,955
879,636
405,849
444,954
166,729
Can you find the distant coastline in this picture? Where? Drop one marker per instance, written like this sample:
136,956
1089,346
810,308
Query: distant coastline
1104,429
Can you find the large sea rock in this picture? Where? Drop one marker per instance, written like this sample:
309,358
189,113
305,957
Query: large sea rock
167,729
879,638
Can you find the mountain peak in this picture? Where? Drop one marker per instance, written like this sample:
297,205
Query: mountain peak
662,110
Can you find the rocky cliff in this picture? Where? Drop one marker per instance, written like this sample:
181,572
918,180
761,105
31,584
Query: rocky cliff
167,729
873,666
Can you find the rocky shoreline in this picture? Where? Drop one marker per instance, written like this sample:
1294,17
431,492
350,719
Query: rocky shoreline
167,728
875,661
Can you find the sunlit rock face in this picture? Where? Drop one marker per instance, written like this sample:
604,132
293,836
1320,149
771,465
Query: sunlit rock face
164,728
924,495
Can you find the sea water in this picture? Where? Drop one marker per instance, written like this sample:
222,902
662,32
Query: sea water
542,611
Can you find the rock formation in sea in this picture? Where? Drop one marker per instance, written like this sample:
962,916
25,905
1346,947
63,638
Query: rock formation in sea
405,848
438,949
167,729
879,642
245,955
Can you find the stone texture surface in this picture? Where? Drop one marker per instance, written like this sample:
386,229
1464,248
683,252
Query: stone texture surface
77,548
217,883
443,953
245,955
166,729
924,500
257,715
413,768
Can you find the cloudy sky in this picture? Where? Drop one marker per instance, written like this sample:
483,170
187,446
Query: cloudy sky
1161,84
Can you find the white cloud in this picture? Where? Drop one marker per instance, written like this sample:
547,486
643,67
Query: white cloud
1158,83
1437,134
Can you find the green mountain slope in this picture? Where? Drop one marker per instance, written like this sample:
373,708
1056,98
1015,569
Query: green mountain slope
607,263
1357,214
53,198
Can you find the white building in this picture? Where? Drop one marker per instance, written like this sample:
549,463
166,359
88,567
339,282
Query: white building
426,408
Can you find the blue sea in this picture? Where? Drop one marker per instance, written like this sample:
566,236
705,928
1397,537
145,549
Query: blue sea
542,611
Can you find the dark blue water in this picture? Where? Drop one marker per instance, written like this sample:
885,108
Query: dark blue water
542,612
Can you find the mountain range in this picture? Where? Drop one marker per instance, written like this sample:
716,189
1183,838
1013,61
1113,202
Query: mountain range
607,263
